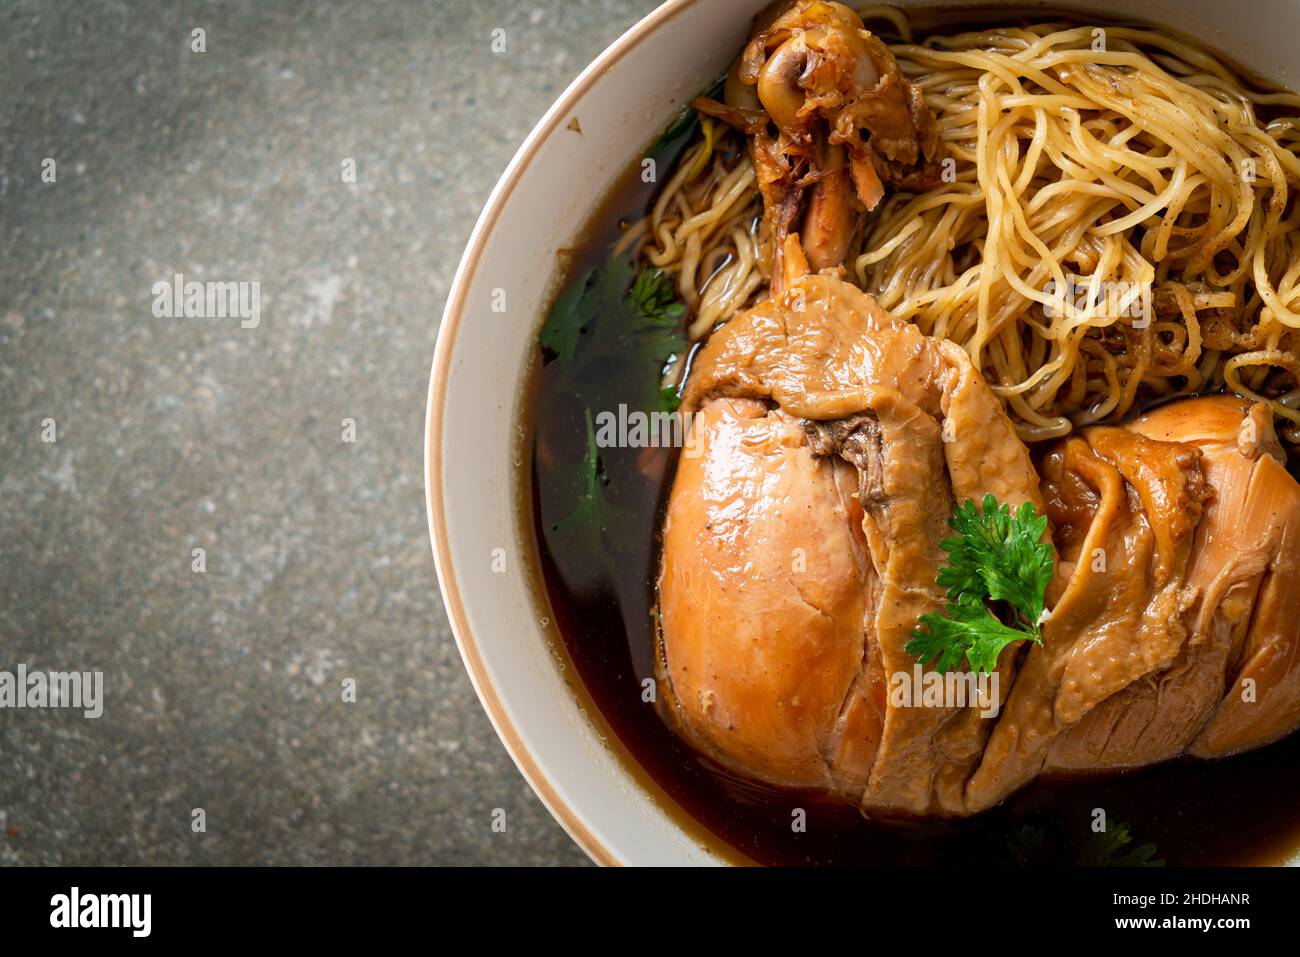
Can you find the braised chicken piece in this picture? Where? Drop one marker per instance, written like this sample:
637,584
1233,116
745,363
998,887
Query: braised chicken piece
1175,631
1125,509
802,546
768,580
1247,550
830,121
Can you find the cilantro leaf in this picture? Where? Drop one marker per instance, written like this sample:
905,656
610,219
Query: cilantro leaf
1000,555
565,323
1106,849
656,331
1037,845
581,303
997,556
966,628
614,316
1028,844
655,299
593,512
682,128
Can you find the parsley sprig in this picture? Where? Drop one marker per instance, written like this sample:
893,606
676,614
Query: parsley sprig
997,556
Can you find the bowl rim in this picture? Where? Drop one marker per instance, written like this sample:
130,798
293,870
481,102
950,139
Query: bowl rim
435,504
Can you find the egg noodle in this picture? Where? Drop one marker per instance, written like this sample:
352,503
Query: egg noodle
1117,222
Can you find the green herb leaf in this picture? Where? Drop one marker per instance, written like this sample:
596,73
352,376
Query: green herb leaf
998,556
1106,849
655,299
593,511
564,325
966,628
613,316
684,125
616,316
1037,845
1028,844
600,289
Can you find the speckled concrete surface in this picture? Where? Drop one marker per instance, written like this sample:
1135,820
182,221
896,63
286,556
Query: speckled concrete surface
223,687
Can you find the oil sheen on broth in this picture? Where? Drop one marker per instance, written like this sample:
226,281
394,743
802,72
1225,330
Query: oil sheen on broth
1240,810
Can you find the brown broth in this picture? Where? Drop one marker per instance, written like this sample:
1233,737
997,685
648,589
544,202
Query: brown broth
1236,811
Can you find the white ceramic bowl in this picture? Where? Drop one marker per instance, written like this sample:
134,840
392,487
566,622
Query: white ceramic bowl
476,442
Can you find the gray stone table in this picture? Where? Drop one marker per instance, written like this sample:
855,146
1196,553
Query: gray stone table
126,157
